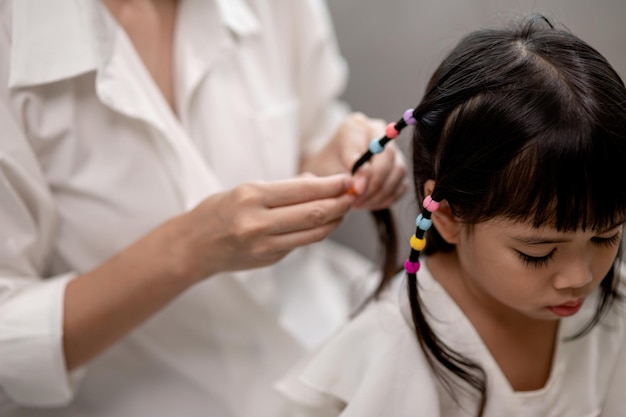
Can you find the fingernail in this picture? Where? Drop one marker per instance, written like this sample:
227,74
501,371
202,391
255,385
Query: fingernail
359,185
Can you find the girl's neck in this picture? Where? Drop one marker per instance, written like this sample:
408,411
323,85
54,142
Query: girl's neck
523,347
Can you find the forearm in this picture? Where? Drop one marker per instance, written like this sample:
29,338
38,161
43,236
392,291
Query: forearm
104,304
251,226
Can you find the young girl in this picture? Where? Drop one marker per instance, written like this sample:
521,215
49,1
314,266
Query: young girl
519,151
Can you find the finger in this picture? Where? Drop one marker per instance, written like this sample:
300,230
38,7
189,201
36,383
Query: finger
360,179
380,168
287,241
390,200
354,143
395,180
304,189
308,215
358,132
357,118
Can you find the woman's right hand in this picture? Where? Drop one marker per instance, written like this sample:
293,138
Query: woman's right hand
250,226
257,224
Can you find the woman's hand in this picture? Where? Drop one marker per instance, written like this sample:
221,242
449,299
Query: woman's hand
257,224
377,184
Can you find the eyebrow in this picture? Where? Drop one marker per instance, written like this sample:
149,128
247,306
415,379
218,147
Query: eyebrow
538,240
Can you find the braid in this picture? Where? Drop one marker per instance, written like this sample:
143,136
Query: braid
383,219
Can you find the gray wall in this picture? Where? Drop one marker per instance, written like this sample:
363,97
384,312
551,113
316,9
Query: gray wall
392,47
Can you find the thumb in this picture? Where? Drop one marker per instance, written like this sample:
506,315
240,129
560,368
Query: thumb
360,180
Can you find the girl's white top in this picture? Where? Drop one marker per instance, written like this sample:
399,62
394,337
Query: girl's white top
374,367
92,158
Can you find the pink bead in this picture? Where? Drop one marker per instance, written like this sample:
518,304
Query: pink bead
411,267
430,204
390,131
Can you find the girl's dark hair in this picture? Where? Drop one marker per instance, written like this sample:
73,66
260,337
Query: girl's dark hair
526,122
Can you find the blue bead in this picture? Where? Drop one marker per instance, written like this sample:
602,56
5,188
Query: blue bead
422,223
375,146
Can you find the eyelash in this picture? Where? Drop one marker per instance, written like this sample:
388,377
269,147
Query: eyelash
607,241
540,261
536,261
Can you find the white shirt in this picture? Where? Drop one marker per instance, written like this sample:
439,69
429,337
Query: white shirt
374,366
92,158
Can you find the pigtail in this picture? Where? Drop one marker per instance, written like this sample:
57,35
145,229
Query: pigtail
459,365
388,238
383,219
438,354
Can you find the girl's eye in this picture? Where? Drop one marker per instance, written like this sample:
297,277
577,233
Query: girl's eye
607,241
536,261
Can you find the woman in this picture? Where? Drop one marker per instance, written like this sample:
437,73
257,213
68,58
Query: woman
135,138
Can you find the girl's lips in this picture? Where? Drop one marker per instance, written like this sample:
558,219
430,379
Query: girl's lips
567,309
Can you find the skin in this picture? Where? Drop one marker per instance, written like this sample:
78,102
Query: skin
508,296
150,25
377,184
250,226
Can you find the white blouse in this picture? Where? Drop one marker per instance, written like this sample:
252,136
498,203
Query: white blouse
92,158
374,367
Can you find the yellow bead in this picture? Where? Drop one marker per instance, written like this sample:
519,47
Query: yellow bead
418,244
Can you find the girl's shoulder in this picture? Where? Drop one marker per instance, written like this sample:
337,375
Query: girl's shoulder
367,368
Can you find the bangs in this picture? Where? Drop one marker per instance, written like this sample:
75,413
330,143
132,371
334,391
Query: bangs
539,162
569,181
528,126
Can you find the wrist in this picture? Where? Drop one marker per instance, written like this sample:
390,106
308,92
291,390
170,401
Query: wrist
175,239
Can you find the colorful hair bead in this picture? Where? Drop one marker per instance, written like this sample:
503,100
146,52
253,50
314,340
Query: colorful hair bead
409,118
411,267
430,204
422,223
417,243
375,146
391,131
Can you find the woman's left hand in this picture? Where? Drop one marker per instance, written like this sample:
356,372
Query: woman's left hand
378,183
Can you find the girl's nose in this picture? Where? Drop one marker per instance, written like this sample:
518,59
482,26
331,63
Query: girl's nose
577,274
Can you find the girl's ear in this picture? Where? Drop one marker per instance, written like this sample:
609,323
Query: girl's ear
446,223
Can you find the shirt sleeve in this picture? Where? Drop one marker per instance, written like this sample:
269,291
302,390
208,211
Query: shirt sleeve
32,363
323,74
364,370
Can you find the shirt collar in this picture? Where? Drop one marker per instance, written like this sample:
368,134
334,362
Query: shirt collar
47,49
51,40
238,17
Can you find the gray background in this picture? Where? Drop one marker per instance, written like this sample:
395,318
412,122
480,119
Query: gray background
393,46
